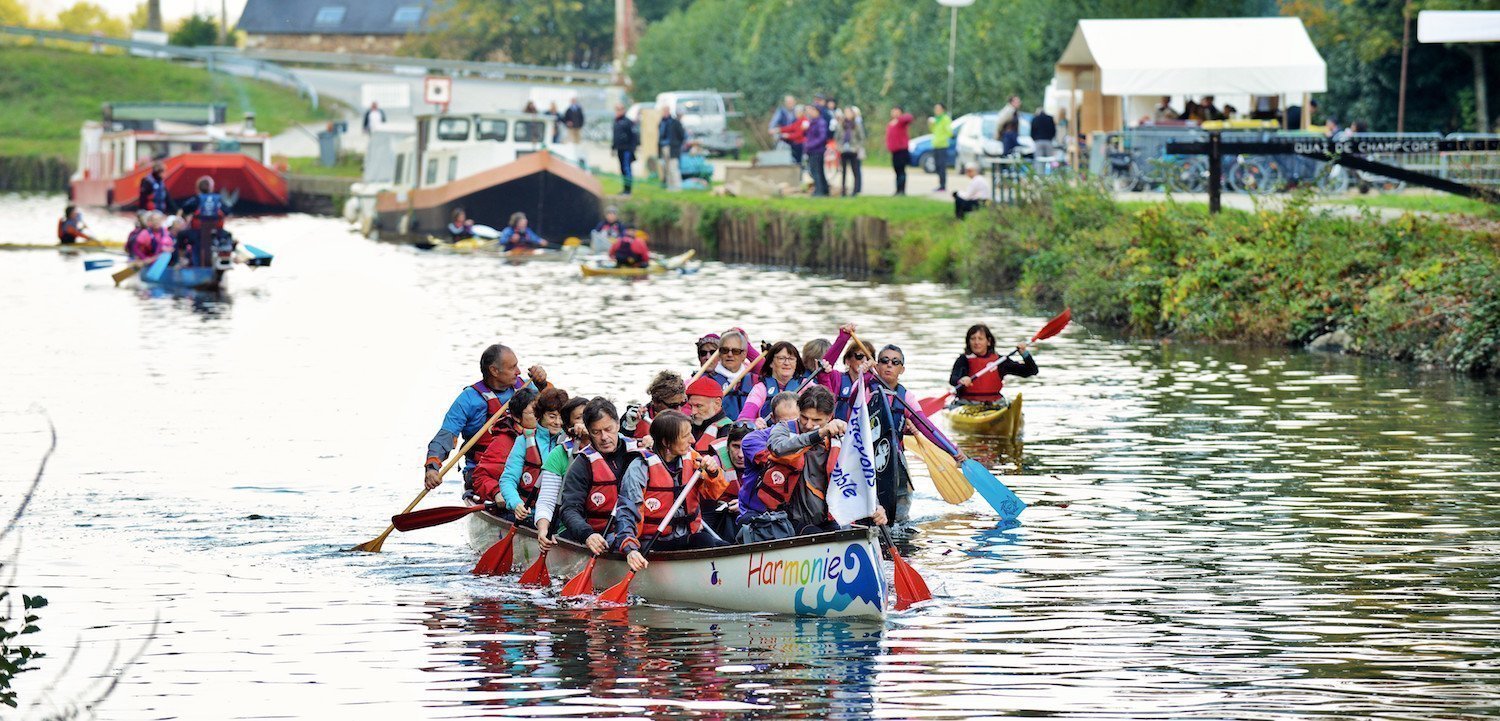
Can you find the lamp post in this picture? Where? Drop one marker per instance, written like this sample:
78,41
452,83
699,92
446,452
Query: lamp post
953,5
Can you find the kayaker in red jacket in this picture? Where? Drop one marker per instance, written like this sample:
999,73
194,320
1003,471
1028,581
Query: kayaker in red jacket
970,379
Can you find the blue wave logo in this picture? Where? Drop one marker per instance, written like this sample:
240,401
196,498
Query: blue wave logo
859,582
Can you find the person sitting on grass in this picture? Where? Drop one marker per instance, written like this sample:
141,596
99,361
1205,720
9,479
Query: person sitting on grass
973,195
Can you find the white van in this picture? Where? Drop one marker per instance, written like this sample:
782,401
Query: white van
705,117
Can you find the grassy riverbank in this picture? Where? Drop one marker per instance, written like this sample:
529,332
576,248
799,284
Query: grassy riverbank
46,94
1412,289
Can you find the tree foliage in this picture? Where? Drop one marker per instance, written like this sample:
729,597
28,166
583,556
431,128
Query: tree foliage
86,17
13,12
195,30
540,32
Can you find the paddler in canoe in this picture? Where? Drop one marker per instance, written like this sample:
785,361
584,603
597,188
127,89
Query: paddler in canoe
499,380
973,383
591,486
651,486
710,428
555,466
149,240
667,392
521,480
734,353
783,372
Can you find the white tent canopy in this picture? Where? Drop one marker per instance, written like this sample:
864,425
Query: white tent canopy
1252,56
1458,26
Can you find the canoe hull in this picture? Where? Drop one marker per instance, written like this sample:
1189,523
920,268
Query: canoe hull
675,262
194,278
1006,423
837,574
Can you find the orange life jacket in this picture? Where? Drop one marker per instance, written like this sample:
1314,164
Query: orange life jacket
530,485
984,388
604,490
783,474
661,492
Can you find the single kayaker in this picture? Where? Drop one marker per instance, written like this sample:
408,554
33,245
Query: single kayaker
783,372
521,482
555,466
734,347
611,227
651,487
591,486
499,380
460,226
711,437
666,392
630,251
71,227
153,191
973,378
518,234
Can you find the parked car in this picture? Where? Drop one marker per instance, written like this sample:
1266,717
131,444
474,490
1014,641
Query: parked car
974,134
705,118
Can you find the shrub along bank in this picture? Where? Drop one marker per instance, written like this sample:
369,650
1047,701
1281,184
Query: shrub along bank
1412,289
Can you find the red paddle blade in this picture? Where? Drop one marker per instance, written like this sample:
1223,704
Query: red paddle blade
1054,326
910,588
617,594
583,583
537,574
498,558
429,517
933,405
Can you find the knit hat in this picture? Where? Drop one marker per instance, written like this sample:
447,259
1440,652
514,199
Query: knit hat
705,387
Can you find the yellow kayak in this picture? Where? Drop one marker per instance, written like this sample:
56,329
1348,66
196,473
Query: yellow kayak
1005,422
80,245
673,263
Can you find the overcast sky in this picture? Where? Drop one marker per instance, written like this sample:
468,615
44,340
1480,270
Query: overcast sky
172,9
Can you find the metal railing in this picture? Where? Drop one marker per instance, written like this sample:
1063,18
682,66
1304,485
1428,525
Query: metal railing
216,59
566,76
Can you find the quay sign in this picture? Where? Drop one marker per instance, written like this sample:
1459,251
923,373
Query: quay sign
1322,147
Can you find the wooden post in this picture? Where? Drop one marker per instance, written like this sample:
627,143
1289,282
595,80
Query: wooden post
1215,171
1306,111
1405,53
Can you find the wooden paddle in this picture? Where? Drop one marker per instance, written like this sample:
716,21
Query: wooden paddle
429,517
500,557
373,545
950,483
120,276
1052,328
910,586
617,594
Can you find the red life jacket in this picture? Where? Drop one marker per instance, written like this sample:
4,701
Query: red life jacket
781,476
712,442
492,406
984,388
661,492
531,473
604,490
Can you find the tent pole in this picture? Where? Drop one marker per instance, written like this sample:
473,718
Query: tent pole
1306,111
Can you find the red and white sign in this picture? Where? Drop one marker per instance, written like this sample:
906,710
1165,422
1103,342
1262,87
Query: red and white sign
437,90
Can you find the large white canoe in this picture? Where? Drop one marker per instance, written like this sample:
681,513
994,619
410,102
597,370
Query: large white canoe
838,574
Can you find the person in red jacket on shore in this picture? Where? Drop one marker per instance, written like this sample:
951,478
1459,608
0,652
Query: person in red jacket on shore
897,140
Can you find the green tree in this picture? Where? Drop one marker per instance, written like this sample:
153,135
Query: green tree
541,32
86,17
12,12
195,30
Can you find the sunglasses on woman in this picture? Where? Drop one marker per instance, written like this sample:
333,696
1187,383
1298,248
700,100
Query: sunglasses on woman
860,357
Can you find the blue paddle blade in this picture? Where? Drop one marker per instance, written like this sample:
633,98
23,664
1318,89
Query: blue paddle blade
97,264
1002,499
158,268
257,252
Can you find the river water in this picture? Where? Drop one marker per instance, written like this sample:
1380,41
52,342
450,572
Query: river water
1215,532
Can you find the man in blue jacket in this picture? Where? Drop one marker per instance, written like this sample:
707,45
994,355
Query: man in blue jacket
500,379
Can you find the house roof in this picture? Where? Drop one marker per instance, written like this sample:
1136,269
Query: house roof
1256,56
336,17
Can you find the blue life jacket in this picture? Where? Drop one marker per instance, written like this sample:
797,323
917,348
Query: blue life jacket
210,206
772,388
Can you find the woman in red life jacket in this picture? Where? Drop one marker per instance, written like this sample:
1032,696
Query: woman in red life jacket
521,481
652,485
630,251
977,374
507,433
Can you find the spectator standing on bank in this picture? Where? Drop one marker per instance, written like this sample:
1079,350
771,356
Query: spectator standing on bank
1162,114
784,115
792,133
815,144
673,136
1008,125
374,117
557,124
898,142
1043,133
573,119
851,139
624,141
941,125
